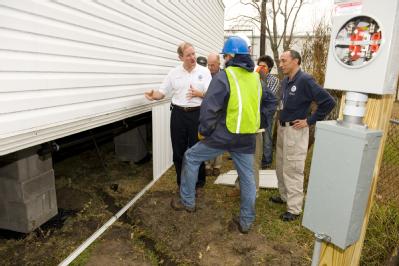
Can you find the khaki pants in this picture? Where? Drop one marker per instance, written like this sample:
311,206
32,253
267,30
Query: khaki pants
291,151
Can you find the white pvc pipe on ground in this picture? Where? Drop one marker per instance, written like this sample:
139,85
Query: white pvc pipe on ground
96,234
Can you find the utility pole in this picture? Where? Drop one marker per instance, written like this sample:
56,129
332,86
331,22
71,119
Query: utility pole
262,50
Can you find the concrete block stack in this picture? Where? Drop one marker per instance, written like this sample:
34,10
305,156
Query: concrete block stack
27,191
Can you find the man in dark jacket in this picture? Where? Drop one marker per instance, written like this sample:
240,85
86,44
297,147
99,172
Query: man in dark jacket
229,120
298,90
212,167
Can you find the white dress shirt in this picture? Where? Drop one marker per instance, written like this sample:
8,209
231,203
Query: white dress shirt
177,84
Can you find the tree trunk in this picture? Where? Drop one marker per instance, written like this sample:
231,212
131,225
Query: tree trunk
262,50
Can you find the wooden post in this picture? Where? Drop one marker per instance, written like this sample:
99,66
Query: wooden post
378,114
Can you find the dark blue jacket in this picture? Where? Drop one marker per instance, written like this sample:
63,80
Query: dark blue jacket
213,111
297,95
268,106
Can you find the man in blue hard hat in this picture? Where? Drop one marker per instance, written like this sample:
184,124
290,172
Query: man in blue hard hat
229,120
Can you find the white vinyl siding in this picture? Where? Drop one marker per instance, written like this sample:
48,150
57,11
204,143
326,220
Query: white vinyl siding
68,66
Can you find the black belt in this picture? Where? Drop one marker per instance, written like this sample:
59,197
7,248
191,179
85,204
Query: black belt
286,124
186,108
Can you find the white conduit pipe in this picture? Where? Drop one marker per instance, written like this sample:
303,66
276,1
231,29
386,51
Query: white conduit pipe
96,234
355,107
317,247
316,251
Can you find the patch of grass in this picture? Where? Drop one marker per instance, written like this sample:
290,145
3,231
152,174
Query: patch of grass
84,257
274,229
382,234
156,251
150,254
391,151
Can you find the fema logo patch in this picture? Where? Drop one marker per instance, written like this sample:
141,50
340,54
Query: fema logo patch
293,89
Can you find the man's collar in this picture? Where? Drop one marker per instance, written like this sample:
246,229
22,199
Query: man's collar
295,76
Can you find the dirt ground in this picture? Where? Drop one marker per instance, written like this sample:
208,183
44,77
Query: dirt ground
151,233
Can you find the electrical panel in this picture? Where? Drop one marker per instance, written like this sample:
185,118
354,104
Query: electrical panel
340,180
364,48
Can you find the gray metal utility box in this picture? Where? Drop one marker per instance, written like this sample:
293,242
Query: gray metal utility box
340,178
375,33
27,192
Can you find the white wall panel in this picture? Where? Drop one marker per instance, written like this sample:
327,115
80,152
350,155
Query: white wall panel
67,66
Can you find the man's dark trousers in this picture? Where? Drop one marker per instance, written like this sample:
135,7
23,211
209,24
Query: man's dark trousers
184,134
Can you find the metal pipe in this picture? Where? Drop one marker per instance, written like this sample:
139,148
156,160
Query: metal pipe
99,232
101,133
316,250
317,247
355,107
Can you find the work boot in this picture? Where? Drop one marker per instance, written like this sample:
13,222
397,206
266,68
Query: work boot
276,199
236,221
177,205
288,217
266,166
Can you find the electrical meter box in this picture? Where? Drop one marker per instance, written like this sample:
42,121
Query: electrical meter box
340,180
364,47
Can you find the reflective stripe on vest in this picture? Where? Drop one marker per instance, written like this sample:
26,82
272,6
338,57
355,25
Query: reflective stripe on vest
243,112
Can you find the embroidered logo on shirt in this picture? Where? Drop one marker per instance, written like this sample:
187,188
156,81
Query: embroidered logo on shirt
293,89
200,77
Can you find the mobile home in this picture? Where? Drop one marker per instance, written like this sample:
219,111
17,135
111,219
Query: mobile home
70,66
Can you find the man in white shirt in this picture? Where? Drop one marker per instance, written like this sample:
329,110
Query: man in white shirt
187,84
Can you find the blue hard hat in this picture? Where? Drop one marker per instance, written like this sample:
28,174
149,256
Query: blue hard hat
235,45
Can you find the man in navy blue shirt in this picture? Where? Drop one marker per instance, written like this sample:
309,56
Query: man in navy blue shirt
298,91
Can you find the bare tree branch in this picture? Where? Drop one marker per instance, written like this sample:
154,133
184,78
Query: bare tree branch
293,23
251,3
279,24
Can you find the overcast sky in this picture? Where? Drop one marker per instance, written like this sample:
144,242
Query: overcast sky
309,14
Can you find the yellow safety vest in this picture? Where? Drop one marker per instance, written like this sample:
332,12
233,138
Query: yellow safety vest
243,108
